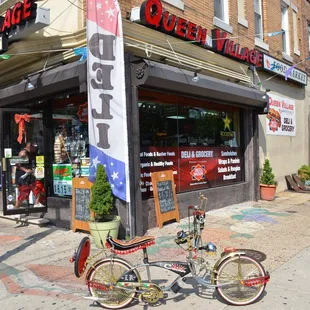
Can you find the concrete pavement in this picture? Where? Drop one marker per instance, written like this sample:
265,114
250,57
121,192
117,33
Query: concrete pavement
35,272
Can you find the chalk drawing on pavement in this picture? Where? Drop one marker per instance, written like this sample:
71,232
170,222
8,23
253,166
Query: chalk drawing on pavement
258,215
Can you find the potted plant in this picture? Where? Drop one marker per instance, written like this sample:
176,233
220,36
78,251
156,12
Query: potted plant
268,184
101,204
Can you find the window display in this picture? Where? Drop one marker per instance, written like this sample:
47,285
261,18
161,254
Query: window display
70,148
198,140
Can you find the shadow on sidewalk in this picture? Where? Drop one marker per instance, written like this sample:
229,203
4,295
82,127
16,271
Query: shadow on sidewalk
30,241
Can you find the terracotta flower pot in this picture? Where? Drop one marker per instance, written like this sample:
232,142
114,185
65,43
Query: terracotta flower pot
267,192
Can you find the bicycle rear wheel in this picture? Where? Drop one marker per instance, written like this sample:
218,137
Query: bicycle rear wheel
233,271
109,272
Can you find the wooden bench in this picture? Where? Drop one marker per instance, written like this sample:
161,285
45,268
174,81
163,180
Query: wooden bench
292,185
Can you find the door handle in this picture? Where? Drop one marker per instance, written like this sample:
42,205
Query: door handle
4,165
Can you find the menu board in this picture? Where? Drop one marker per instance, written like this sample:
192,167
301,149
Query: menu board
81,189
82,198
165,197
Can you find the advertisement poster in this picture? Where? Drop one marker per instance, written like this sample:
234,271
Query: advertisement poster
194,168
281,118
62,179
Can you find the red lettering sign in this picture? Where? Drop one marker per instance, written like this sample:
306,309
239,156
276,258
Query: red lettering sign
20,13
153,15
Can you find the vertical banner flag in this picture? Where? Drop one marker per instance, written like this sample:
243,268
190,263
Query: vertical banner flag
108,141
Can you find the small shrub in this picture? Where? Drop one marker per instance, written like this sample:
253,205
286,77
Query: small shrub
267,177
101,202
304,173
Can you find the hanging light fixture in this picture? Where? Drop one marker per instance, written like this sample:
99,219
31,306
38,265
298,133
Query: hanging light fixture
266,94
195,79
29,84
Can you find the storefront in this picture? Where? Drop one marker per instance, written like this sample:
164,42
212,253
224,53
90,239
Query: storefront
205,131
48,111
190,110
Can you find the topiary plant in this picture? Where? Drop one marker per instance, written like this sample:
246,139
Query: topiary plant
101,202
267,177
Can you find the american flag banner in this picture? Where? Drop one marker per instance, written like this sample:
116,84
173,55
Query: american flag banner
107,115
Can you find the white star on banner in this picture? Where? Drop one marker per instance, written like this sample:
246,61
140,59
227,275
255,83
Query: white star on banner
96,162
99,6
114,175
112,186
110,12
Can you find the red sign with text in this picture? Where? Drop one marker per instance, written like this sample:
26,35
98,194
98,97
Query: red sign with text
193,167
152,14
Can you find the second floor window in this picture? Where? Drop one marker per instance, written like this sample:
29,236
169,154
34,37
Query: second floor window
284,28
258,17
295,29
221,10
309,37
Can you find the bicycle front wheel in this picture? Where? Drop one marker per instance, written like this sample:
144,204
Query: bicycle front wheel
102,281
230,276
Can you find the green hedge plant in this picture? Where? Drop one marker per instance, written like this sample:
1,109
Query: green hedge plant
101,202
267,177
304,173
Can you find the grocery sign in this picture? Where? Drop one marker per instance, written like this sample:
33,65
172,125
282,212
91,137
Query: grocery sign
278,67
194,168
281,118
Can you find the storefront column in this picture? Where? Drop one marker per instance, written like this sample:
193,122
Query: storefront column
135,211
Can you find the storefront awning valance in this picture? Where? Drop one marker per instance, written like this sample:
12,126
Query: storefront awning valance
173,79
60,79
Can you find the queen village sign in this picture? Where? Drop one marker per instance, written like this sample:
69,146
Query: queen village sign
21,20
154,16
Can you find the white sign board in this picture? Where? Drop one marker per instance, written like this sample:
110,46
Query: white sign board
281,118
278,67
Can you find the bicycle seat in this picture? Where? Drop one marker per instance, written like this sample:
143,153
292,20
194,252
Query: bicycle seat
125,247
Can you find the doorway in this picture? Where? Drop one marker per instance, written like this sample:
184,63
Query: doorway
23,173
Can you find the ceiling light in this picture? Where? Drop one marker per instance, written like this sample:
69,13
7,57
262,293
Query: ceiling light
29,85
195,79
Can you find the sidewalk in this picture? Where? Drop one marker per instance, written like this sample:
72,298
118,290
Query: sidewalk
35,271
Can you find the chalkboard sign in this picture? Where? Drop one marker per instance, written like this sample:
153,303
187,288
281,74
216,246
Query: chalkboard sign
165,197
80,200
82,197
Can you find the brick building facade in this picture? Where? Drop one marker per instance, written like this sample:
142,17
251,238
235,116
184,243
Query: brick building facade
197,108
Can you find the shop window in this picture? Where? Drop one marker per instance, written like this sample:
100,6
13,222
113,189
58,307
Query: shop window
258,18
285,29
198,140
70,148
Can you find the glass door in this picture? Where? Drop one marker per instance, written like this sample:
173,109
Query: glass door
23,161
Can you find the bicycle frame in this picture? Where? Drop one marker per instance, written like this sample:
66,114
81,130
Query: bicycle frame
183,269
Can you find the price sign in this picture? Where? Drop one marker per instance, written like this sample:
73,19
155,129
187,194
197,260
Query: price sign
62,189
62,179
